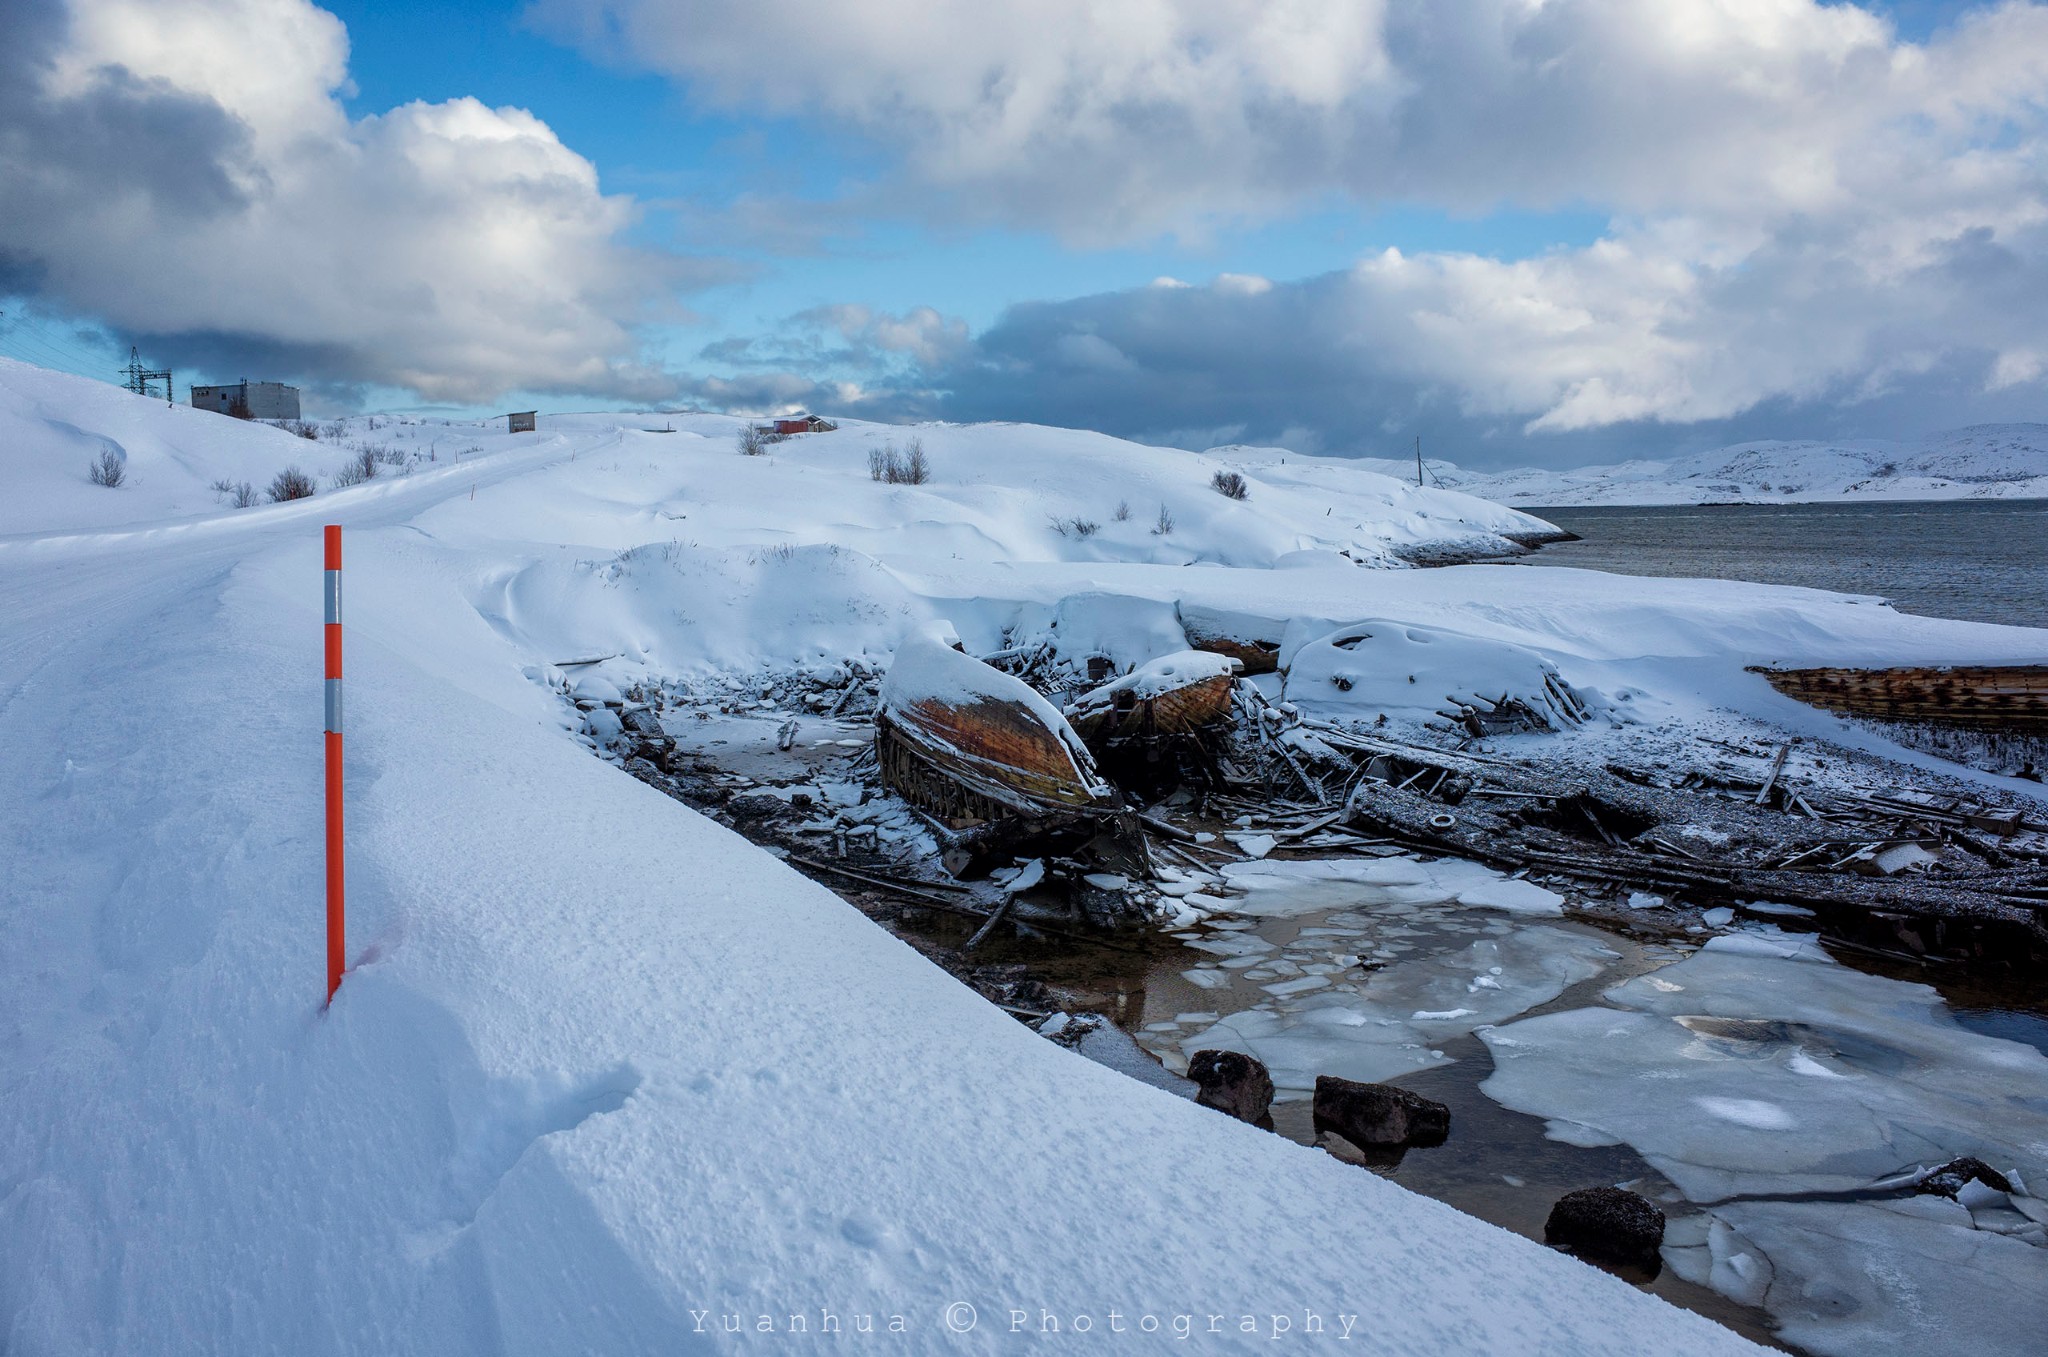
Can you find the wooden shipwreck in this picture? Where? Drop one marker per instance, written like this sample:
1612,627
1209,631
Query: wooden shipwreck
1178,695
968,744
2011,697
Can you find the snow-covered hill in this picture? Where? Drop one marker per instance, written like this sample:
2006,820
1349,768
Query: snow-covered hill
2007,461
603,1073
995,491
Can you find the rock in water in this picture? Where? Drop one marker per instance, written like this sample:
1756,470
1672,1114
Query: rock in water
1952,1177
1379,1114
1608,1225
1232,1083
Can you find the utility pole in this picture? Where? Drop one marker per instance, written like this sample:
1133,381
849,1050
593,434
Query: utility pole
140,377
1418,461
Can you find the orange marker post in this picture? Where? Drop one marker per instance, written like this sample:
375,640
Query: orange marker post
336,935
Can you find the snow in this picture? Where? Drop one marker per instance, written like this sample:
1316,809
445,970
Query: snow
599,1064
1990,461
1421,674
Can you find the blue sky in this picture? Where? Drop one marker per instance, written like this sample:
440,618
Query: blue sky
1609,234
648,139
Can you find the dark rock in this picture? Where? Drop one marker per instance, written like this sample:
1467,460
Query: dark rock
1953,1176
1608,1225
1378,1114
801,801
1232,1083
642,721
756,806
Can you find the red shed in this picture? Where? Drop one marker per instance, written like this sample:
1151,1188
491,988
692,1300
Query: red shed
804,424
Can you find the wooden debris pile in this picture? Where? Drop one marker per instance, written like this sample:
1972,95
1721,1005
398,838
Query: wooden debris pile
1711,837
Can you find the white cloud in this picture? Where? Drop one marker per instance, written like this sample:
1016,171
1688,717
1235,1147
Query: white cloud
1805,206
451,248
1114,120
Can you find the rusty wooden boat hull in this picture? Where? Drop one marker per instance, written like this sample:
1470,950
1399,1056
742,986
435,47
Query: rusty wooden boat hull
1257,656
967,742
2011,697
1187,710
981,762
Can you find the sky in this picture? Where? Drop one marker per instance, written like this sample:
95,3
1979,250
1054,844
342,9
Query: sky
1525,231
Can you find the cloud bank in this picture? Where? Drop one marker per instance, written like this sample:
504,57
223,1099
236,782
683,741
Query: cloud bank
1808,214
183,170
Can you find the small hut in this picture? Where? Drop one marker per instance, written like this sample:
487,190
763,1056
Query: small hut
803,424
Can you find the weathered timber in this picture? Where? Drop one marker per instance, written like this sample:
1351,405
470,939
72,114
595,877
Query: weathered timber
1187,710
2005,697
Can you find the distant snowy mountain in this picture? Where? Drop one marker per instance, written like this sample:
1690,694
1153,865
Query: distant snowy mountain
1984,461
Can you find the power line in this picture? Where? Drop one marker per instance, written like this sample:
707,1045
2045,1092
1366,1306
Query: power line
37,345
56,342
26,348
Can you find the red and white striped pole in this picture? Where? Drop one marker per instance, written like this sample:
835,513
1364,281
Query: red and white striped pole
336,943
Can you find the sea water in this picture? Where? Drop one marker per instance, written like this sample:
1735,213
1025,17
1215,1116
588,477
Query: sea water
1979,560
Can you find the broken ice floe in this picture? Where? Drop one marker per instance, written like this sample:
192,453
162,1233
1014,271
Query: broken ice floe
1905,1276
1759,1068
1322,1015
1278,889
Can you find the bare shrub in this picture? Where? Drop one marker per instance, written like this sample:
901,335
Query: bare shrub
290,483
753,439
917,469
1076,527
1123,511
909,467
243,496
1164,527
1231,485
108,470
359,468
222,487
301,427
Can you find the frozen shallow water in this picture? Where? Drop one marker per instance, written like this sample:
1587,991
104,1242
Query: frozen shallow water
1760,1069
1755,1067
1720,1079
1320,1012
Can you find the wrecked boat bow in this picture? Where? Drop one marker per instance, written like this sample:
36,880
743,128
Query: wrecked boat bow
989,762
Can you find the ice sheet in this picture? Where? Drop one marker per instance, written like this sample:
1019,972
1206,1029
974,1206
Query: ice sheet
1278,889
